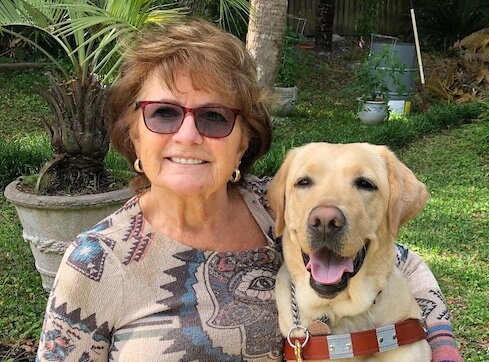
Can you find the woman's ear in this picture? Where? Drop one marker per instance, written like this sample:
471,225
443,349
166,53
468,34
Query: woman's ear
244,143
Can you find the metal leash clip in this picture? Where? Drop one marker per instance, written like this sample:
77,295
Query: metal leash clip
297,346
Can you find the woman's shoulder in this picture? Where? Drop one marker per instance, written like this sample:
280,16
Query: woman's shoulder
119,219
118,227
258,186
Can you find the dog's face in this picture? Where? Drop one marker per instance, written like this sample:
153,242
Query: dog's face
338,206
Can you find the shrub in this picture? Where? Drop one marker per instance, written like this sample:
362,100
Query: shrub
443,22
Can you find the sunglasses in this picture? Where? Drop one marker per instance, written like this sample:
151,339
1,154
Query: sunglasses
166,118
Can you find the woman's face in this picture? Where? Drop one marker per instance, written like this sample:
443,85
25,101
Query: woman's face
186,162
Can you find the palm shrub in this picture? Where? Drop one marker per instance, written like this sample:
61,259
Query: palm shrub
232,15
443,22
91,36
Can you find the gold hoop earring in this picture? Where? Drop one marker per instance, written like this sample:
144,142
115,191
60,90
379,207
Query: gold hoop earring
137,166
236,176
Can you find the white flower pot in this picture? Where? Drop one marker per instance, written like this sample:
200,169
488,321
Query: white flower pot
372,112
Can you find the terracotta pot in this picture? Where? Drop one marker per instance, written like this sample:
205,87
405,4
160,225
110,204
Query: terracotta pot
51,223
307,46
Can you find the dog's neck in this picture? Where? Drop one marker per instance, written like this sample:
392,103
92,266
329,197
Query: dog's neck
326,319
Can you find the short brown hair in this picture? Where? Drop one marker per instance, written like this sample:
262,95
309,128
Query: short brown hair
216,61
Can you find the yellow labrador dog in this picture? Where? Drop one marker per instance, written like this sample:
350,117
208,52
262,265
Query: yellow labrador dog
340,296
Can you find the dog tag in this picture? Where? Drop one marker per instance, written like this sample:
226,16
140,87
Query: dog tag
318,328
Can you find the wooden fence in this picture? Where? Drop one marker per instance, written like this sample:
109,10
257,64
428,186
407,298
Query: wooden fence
393,16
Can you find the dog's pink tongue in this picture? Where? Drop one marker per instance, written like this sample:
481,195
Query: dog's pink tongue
327,267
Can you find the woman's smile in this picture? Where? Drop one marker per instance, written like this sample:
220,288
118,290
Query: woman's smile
186,161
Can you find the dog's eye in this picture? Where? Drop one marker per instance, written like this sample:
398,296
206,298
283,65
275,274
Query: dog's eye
366,184
303,182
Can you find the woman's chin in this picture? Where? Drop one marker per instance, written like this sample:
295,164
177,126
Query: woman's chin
188,186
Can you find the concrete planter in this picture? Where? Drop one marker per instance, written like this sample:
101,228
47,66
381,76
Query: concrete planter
51,223
285,100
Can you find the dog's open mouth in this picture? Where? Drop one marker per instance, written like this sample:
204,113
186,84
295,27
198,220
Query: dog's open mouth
330,271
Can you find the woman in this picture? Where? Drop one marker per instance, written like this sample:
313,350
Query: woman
186,269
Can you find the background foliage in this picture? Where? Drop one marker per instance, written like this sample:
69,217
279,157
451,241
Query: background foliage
443,22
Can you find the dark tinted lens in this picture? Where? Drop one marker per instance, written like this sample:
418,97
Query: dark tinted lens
214,122
163,118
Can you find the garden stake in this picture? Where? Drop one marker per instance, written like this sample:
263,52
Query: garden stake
425,105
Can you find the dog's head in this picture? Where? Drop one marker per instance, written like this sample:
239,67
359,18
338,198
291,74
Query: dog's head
338,205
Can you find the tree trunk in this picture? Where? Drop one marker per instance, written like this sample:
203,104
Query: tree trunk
265,38
324,23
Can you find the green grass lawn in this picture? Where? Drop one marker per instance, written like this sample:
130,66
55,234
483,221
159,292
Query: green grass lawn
447,148
452,232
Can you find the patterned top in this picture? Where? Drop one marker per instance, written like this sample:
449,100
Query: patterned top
126,292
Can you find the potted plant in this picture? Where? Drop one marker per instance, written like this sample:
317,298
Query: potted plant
291,65
376,77
74,188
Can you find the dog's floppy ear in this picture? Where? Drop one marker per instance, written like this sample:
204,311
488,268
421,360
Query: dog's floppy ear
408,195
276,193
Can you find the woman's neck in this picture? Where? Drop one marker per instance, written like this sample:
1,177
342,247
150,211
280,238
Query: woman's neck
203,222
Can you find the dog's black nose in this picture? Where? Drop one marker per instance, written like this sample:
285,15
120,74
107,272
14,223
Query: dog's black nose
328,220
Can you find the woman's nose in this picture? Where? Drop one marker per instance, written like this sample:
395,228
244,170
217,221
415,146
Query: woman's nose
188,133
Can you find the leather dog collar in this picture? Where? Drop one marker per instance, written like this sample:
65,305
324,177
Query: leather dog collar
363,343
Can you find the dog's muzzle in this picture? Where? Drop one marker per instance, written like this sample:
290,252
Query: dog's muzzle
330,290
326,226
329,270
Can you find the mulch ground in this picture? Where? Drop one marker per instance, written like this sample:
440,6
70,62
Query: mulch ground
21,351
